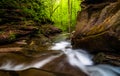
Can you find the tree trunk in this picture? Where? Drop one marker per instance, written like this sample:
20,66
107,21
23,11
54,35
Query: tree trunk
69,15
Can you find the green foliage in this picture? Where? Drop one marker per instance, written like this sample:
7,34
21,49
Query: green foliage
8,4
12,36
43,11
58,10
30,9
34,9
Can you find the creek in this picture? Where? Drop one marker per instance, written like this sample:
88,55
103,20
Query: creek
62,61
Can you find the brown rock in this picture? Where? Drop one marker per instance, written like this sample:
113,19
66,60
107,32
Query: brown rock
98,26
10,49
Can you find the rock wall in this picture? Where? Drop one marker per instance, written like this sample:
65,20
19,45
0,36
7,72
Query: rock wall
98,30
98,26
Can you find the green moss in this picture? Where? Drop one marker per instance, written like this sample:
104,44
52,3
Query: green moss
12,36
28,9
99,58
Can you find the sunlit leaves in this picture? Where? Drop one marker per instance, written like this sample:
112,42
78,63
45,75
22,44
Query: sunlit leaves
60,16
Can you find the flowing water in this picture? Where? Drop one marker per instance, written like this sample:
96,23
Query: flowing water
81,59
57,62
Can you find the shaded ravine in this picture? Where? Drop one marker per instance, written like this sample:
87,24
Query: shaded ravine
64,61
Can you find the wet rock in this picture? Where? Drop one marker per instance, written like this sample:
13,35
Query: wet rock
21,42
49,30
62,65
10,49
98,28
12,35
107,58
28,72
57,67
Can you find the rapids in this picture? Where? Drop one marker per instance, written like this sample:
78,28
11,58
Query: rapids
83,60
75,57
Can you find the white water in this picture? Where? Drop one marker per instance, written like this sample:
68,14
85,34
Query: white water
81,59
77,58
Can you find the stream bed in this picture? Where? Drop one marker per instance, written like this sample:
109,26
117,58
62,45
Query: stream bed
57,59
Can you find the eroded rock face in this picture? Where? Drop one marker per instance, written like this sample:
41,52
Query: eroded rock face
98,26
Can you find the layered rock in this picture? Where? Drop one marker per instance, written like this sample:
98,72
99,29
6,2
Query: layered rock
98,26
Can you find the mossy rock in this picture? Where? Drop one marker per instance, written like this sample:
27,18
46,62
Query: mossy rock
107,58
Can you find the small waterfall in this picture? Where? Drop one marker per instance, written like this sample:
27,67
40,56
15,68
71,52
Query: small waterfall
76,57
81,59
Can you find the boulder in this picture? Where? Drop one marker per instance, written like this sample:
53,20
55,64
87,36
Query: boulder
98,26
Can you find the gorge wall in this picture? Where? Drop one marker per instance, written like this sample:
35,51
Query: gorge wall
98,26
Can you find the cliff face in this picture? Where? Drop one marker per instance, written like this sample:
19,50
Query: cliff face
98,26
